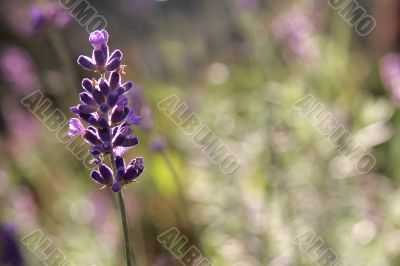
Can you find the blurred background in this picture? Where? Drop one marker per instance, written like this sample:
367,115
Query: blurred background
240,65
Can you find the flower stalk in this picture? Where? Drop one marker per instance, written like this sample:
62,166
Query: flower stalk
108,119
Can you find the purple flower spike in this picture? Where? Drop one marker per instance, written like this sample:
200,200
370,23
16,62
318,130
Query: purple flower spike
104,108
75,127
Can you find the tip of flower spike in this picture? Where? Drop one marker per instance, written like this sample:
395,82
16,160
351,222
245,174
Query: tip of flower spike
98,38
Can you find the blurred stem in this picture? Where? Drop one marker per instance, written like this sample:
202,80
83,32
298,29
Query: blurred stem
178,185
58,44
128,248
182,198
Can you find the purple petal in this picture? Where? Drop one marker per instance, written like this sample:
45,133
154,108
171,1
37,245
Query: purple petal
106,172
115,54
130,142
122,101
74,109
75,127
113,64
119,162
87,109
91,138
95,175
104,88
114,80
119,151
98,97
86,63
86,98
87,85
127,85
99,58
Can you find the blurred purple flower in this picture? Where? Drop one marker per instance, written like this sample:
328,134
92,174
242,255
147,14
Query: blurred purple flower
48,15
296,30
17,68
248,4
158,144
139,7
10,253
22,130
138,101
390,75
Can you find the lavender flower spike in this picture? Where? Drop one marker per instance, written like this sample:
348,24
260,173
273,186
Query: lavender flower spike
104,108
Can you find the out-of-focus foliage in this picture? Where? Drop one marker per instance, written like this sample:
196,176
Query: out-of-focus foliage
240,65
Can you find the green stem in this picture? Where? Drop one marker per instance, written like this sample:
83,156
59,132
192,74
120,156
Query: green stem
130,259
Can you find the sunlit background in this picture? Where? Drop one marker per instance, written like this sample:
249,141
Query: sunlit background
240,66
